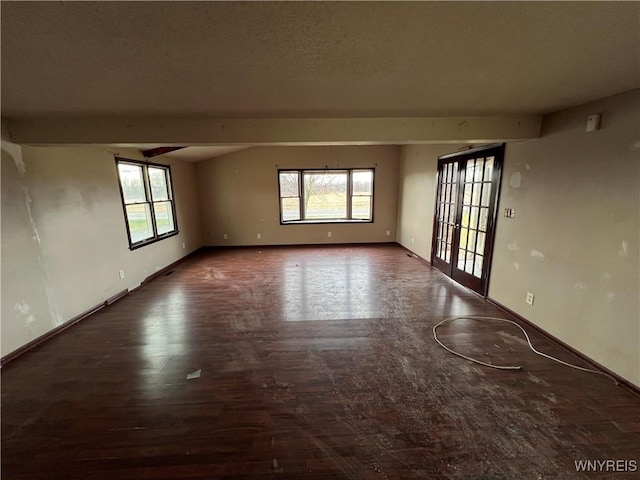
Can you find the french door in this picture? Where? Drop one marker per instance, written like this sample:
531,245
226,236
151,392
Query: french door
465,215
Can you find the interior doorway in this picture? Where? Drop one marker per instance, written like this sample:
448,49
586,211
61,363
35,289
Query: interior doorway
465,214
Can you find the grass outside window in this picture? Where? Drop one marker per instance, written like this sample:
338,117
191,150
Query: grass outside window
326,196
147,198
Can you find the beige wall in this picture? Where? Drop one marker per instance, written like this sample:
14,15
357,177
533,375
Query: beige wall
574,239
64,238
417,195
239,195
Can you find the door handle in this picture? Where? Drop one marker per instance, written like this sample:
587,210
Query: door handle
457,226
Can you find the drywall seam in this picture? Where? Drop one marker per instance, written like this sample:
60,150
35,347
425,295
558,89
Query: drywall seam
51,301
20,166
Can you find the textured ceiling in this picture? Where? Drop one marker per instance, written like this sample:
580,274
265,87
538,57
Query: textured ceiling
314,59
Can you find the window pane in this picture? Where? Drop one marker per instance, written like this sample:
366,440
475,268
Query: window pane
468,267
467,193
486,194
477,272
325,195
465,216
132,183
484,215
471,242
478,172
488,170
470,169
139,219
361,208
474,217
475,200
290,209
480,244
362,182
464,233
289,184
452,213
164,217
158,182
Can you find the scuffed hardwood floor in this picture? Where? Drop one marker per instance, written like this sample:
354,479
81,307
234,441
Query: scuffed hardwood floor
315,363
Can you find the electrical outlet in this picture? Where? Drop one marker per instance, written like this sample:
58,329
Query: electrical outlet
329,234
388,233
183,246
259,236
413,240
225,236
121,273
530,297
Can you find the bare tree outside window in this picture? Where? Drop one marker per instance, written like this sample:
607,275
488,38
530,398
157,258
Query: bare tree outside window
326,195
290,196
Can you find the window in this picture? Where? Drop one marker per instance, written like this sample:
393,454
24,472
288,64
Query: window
147,197
323,196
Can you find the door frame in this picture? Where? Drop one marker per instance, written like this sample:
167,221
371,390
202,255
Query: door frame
478,285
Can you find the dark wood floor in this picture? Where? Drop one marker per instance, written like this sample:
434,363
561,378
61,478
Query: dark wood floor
316,363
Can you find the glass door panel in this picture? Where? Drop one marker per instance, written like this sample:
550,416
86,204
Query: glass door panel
464,223
445,217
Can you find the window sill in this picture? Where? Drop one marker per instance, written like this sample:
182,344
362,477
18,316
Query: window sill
144,243
318,222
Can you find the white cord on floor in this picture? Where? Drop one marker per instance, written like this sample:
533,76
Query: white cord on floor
507,367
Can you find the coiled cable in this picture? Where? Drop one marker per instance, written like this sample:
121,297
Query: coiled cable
507,367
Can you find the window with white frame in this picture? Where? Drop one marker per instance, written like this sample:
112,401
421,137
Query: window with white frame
147,198
326,196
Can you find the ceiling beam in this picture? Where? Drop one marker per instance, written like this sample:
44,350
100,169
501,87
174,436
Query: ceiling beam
296,131
154,152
